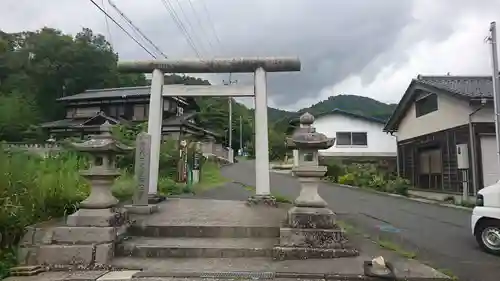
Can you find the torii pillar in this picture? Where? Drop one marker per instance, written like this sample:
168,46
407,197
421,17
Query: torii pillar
258,66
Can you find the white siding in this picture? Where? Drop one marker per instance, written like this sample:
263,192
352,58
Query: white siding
379,143
452,112
491,169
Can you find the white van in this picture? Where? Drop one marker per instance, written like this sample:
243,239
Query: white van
485,220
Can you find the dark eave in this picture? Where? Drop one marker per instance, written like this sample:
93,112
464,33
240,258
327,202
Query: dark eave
117,93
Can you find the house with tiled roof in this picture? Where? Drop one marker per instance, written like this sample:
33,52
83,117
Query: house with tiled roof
445,131
86,111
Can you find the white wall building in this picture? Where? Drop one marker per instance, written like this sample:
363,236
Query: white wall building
355,135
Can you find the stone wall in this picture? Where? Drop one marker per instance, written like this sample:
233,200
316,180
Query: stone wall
43,149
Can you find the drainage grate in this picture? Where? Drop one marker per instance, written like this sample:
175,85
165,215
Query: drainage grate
236,274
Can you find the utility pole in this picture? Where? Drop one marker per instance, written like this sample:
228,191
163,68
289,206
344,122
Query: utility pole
241,135
496,94
230,101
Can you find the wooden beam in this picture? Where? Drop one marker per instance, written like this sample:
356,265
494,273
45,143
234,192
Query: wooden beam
208,90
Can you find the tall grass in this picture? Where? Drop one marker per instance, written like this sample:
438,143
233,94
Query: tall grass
34,189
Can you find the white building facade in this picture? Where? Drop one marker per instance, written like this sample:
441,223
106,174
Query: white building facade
355,135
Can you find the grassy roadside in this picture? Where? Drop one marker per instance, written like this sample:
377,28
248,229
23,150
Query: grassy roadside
391,246
210,177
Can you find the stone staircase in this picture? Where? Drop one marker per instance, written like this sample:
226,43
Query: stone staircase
193,241
202,230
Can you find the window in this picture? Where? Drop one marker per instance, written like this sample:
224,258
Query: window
116,111
343,138
86,111
70,113
140,112
430,169
352,138
426,105
359,139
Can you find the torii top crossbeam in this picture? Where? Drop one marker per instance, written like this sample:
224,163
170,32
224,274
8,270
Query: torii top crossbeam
217,65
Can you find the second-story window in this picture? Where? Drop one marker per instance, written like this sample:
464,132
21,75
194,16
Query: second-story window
426,105
351,139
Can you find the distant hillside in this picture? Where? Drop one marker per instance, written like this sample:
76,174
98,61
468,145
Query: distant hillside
356,104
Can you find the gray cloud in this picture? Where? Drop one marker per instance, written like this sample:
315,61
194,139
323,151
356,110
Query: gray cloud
334,39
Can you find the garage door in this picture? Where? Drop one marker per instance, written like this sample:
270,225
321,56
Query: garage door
491,169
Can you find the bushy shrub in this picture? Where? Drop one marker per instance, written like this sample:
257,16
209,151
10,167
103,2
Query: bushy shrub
347,179
368,176
362,173
399,186
334,169
168,186
378,183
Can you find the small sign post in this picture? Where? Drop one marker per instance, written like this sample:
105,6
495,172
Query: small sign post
142,157
140,204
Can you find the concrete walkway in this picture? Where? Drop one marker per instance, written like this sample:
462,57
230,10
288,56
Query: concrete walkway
440,236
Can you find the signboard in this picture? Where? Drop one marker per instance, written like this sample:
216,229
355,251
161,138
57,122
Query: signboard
142,161
196,161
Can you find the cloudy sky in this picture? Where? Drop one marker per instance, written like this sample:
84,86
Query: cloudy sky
362,47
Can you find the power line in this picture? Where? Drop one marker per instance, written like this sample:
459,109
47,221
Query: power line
136,28
107,24
180,25
211,23
202,28
123,29
190,25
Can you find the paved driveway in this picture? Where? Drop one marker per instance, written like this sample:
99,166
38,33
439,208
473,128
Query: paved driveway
440,236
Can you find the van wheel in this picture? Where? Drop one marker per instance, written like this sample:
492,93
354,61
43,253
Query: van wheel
488,236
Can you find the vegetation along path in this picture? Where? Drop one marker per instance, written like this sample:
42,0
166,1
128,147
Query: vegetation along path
437,235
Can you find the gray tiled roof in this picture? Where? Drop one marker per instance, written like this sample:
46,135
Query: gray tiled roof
110,93
75,122
470,86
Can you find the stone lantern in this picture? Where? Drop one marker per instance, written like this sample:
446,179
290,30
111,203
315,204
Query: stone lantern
98,208
311,230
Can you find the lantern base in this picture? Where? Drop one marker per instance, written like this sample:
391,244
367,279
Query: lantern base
156,198
141,209
312,233
267,200
98,217
307,217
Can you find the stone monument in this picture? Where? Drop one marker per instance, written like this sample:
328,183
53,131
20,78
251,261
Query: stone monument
140,201
88,238
310,230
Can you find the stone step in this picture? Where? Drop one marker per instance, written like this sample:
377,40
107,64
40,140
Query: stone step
196,247
264,268
196,231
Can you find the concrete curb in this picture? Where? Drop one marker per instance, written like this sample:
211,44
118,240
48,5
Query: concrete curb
421,200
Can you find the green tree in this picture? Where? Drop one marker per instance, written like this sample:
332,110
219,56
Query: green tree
17,114
48,64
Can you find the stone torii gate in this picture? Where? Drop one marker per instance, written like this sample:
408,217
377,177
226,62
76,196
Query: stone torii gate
259,66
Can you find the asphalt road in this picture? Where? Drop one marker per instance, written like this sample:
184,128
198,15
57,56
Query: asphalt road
440,236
